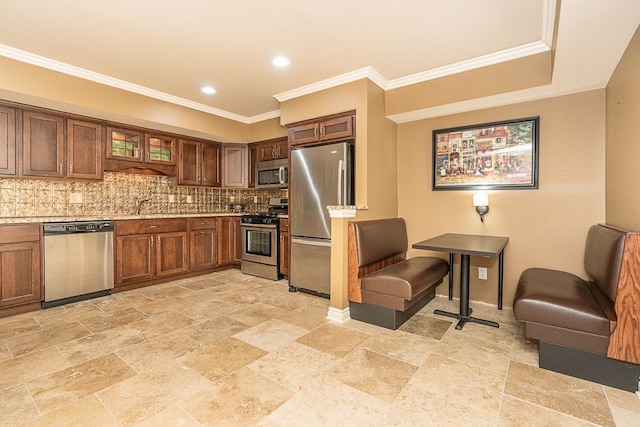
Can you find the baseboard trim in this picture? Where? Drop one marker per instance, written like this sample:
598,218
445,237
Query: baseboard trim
338,315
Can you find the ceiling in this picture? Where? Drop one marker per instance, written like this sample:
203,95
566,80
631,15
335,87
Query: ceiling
170,49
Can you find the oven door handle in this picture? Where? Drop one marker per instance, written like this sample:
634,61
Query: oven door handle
249,226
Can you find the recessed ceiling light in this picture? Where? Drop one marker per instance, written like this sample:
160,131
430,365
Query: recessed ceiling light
281,61
208,89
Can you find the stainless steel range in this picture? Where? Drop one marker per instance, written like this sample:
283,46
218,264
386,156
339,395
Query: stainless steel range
260,251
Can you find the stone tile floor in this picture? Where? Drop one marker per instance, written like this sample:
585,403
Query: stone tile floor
232,349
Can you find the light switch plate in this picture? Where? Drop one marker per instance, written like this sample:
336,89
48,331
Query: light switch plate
482,273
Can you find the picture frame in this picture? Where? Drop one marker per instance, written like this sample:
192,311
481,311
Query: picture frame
497,155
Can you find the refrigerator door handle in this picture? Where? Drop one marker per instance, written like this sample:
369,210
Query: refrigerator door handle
340,179
310,242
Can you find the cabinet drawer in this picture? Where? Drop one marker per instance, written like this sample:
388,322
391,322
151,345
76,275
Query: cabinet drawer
202,223
284,225
147,226
19,233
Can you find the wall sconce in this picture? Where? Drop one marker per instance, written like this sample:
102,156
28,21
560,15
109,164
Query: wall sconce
481,202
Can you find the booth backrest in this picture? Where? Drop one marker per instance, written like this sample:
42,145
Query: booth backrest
380,239
603,258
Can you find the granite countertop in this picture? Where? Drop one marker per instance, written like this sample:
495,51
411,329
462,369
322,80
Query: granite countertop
18,220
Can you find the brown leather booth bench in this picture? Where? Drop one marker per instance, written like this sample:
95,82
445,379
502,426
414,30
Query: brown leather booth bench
588,328
384,287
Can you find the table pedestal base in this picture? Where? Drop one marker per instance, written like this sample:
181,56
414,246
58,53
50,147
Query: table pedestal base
465,319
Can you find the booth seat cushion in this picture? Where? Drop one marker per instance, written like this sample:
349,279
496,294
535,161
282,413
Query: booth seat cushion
561,299
408,278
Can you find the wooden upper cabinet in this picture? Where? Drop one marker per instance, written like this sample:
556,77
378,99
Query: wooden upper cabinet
273,149
234,173
42,145
199,163
84,150
341,127
324,130
160,149
124,144
7,141
211,164
252,161
129,148
190,161
304,134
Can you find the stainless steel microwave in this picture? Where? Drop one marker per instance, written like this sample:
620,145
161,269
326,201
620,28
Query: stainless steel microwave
272,174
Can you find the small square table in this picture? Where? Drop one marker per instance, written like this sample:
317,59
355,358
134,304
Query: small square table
467,245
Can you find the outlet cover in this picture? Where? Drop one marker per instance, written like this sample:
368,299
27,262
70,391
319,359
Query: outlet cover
75,197
482,273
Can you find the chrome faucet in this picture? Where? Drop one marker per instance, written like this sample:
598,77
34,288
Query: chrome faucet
138,205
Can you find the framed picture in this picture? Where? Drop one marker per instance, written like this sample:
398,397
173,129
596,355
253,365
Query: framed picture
500,155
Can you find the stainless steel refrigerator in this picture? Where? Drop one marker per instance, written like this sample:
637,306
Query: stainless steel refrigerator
320,176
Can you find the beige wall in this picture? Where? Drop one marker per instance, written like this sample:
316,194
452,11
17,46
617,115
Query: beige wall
266,129
623,140
508,76
547,227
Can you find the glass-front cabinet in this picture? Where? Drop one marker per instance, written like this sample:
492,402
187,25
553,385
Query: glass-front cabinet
161,149
125,144
135,146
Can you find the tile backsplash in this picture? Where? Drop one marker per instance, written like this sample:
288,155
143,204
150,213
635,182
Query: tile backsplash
116,194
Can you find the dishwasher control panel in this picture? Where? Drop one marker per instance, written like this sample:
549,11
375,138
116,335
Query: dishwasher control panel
77,227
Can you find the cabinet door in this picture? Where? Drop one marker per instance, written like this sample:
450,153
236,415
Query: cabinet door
42,145
284,249
124,144
160,149
134,258
20,273
172,253
189,153
237,237
226,240
203,252
84,150
282,149
211,158
252,160
266,151
235,165
336,128
7,141
304,134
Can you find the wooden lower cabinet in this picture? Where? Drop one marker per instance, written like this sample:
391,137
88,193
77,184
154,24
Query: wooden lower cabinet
172,253
284,247
203,243
150,249
134,258
20,268
229,240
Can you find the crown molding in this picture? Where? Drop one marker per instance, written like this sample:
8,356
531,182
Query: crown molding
352,76
548,21
264,116
470,64
82,73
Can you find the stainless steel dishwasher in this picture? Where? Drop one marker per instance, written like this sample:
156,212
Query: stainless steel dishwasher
78,261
